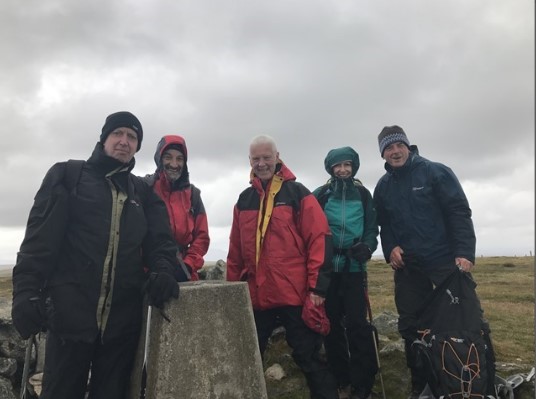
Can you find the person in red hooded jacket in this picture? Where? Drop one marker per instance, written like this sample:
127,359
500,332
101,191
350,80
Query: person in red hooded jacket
280,243
187,216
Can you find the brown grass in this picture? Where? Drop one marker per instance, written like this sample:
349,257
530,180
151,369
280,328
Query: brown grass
506,291
505,287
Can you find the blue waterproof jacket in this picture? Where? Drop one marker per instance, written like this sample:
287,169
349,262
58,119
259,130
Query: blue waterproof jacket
422,208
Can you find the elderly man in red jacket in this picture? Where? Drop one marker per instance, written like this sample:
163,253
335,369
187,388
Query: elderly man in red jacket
280,244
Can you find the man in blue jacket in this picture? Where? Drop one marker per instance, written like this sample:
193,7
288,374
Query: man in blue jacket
426,230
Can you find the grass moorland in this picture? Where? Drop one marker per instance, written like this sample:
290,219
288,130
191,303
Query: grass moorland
506,291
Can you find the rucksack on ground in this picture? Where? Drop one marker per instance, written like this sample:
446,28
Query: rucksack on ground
454,350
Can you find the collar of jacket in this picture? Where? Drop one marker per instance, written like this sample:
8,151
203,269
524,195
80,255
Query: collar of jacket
183,182
266,207
404,168
105,164
336,184
280,170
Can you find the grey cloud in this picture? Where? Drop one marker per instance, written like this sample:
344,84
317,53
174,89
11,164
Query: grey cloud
458,76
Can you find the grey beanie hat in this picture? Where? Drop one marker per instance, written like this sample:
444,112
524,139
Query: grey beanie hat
390,135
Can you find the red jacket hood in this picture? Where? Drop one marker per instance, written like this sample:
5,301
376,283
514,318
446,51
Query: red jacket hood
164,143
162,146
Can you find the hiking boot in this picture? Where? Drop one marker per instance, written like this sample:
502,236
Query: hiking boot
345,392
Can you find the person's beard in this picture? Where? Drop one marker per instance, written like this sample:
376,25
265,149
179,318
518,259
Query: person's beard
172,174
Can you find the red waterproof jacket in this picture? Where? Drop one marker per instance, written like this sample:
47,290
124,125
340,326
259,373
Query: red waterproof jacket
187,216
280,242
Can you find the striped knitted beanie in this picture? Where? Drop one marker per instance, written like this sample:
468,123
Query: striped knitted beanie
390,135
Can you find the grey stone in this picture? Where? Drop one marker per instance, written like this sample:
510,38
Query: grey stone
209,350
213,272
6,389
275,372
397,346
11,344
8,367
386,323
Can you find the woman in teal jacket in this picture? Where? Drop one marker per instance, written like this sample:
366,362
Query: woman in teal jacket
352,220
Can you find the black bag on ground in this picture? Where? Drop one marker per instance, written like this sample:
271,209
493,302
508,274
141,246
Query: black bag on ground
453,350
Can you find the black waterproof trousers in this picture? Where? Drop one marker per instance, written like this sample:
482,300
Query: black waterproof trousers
349,345
305,345
67,366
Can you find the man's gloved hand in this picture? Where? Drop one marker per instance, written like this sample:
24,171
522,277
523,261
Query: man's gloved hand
361,252
161,287
28,313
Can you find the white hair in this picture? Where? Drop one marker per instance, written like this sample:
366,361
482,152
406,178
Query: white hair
263,139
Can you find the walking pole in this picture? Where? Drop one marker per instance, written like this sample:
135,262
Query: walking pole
26,369
374,331
145,353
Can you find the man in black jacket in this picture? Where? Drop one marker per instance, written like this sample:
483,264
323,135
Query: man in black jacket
86,244
426,231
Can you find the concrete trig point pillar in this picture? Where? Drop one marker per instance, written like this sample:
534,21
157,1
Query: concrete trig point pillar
208,351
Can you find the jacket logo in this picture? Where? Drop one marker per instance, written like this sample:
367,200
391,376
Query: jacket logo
417,188
134,202
280,203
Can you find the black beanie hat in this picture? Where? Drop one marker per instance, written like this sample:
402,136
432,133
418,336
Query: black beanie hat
390,135
122,119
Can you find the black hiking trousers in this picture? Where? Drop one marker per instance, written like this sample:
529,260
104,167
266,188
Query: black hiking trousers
305,345
68,363
350,343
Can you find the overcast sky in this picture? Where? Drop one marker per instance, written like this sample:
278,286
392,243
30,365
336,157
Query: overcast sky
457,75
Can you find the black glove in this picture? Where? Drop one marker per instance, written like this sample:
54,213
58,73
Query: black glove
161,287
28,313
360,252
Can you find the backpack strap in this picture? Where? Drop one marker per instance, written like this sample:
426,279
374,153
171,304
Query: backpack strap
195,200
323,194
364,196
73,170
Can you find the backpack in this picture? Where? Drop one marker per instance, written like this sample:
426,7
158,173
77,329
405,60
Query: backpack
73,170
454,351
